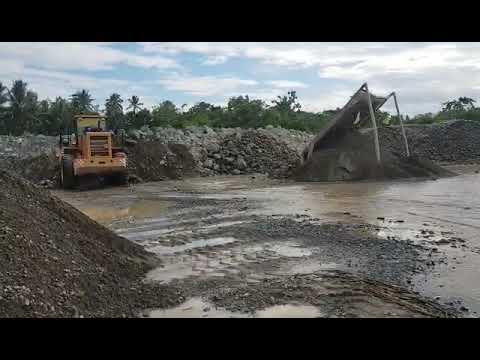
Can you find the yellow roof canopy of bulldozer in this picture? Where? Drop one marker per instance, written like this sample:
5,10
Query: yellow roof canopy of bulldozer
84,121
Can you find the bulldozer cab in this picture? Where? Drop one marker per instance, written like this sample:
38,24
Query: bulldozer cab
89,123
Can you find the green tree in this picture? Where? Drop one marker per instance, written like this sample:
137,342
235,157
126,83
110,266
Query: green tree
135,104
243,112
165,114
82,102
288,103
287,106
201,114
55,117
3,109
466,101
114,111
141,118
23,107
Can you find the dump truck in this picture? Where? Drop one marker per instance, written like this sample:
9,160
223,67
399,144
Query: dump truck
88,153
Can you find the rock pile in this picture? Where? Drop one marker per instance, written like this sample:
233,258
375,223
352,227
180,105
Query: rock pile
55,261
26,146
272,151
352,157
250,152
234,150
153,161
453,141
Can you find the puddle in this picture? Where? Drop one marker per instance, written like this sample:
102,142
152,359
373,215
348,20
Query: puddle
289,250
198,308
311,267
194,308
105,214
167,250
139,209
289,311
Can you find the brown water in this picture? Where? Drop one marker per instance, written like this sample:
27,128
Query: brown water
399,209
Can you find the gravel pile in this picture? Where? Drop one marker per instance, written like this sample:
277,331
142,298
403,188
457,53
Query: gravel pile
151,160
453,141
233,150
351,156
26,146
251,152
57,262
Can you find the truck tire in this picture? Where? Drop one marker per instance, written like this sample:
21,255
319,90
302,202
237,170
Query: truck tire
67,175
120,179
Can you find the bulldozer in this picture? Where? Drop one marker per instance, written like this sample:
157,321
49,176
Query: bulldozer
90,154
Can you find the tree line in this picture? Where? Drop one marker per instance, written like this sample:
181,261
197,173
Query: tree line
21,111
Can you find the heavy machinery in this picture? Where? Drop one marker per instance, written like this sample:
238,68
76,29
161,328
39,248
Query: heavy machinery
89,153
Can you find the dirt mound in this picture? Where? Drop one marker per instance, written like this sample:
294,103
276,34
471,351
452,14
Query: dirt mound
43,167
252,152
151,160
352,157
57,262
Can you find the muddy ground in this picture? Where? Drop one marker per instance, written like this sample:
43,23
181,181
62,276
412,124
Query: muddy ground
248,246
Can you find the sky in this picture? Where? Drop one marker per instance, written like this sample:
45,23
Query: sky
324,75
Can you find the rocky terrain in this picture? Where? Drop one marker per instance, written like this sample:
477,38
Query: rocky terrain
57,262
175,153
452,141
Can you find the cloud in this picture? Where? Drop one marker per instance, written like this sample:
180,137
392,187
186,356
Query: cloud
215,60
205,85
423,74
78,56
287,84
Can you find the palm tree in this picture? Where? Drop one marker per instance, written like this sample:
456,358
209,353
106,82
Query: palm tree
3,94
467,101
114,103
114,110
135,104
22,109
82,102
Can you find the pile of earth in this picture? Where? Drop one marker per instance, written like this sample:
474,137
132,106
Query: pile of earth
41,169
452,141
26,146
57,262
351,156
231,151
151,160
250,152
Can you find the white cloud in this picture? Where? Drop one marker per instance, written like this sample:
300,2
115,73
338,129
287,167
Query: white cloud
78,56
205,85
215,60
287,84
423,74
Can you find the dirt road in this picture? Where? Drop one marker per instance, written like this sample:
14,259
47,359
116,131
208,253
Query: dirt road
248,246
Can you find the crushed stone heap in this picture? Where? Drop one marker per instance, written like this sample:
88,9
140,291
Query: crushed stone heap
351,156
57,262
